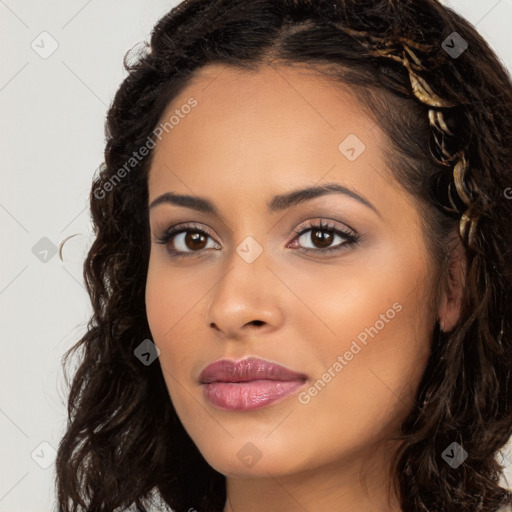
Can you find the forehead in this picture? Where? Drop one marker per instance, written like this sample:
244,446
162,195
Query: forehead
297,99
277,127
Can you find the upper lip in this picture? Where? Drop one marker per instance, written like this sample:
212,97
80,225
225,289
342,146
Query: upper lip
245,370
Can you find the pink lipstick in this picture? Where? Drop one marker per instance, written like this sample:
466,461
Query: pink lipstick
248,384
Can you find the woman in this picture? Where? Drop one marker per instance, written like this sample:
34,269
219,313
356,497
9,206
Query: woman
301,277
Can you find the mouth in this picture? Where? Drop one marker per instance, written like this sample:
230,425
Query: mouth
248,384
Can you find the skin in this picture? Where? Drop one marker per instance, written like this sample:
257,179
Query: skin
254,135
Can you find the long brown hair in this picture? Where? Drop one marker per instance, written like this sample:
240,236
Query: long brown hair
447,111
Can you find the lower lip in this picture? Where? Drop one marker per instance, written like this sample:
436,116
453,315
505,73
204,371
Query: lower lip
247,396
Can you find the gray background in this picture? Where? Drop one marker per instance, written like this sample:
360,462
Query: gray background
52,121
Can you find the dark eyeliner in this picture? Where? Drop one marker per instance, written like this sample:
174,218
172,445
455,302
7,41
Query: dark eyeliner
351,238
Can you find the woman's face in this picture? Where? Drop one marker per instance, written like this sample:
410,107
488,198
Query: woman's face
355,322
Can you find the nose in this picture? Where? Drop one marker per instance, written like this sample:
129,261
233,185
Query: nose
245,300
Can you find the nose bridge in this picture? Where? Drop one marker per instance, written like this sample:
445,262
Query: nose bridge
247,265
249,238
250,249
244,292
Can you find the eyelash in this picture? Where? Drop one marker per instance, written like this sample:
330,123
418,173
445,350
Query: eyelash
351,239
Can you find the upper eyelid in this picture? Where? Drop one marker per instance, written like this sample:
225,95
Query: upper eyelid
322,223
304,226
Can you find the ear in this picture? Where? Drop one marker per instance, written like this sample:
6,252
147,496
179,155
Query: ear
455,280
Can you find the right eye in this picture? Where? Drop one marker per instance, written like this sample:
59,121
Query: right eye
187,240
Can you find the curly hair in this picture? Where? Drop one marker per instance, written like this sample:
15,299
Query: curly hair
448,121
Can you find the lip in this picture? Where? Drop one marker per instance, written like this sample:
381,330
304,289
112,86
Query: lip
248,384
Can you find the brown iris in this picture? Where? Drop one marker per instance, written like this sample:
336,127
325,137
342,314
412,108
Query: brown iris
197,240
323,237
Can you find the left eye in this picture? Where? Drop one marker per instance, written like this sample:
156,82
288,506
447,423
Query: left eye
324,234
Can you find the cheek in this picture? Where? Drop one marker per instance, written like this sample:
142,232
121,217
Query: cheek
370,337
165,306
366,381
173,309
170,299
166,310
159,305
361,299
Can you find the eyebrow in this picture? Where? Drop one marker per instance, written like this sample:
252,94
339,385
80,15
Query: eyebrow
278,203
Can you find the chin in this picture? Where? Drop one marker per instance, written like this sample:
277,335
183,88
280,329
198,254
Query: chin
254,459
